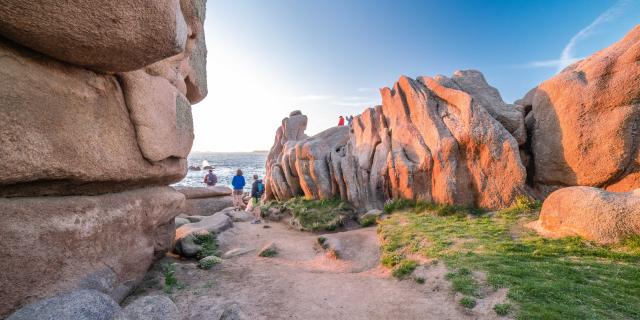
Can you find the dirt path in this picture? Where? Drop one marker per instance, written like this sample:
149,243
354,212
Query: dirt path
302,282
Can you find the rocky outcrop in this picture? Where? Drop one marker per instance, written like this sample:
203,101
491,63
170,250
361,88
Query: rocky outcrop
585,121
432,139
593,214
105,242
205,201
94,123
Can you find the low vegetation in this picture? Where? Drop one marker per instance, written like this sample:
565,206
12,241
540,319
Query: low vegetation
567,278
314,215
208,243
207,263
468,302
170,281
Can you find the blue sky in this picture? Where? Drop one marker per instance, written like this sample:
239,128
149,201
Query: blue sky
329,57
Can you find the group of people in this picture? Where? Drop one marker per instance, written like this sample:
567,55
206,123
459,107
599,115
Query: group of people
238,183
341,119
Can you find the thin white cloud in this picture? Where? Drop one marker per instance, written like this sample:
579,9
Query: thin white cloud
354,103
366,89
311,97
567,56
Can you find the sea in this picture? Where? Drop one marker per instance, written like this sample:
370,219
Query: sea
225,165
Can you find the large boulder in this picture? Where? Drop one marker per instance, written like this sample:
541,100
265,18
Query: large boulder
105,242
204,192
432,139
107,36
584,121
591,213
77,305
67,130
149,308
206,206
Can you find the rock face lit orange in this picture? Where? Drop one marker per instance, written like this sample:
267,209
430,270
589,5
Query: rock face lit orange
430,140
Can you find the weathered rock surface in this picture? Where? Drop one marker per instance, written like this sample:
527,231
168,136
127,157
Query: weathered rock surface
185,244
82,142
106,242
206,206
359,247
585,121
107,36
204,192
77,305
95,104
149,308
432,139
591,213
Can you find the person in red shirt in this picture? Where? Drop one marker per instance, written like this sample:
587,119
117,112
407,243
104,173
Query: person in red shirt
341,121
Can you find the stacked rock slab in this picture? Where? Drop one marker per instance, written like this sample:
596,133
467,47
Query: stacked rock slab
585,121
95,121
447,140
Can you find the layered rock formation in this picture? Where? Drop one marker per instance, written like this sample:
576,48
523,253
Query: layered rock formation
448,140
95,118
454,140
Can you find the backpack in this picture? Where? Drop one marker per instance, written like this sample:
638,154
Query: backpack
212,179
259,189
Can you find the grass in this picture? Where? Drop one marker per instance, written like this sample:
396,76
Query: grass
567,278
419,280
170,280
269,252
404,268
502,309
315,215
468,302
462,281
368,221
208,243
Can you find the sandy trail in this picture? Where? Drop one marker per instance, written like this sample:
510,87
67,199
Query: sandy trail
301,282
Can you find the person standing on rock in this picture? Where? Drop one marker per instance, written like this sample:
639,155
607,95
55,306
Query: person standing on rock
340,121
257,189
210,179
238,185
349,120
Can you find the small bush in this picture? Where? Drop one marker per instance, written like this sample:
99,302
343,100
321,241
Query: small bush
468,302
207,263
170,280
208,243
322,241
390,259
268,252
502,309
397,205
404,268
420,280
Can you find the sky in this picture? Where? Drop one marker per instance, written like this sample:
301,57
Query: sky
330,57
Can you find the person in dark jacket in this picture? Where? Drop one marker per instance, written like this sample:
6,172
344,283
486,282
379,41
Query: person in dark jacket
257,190
210,179
238,185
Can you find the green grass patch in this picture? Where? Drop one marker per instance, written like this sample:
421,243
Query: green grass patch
404,268
462,281
170,280
208,243
368,221
502,309
207,263
468,302
419,280
269,252
315,215
567,278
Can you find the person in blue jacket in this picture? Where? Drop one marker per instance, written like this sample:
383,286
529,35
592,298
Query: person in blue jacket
238,185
